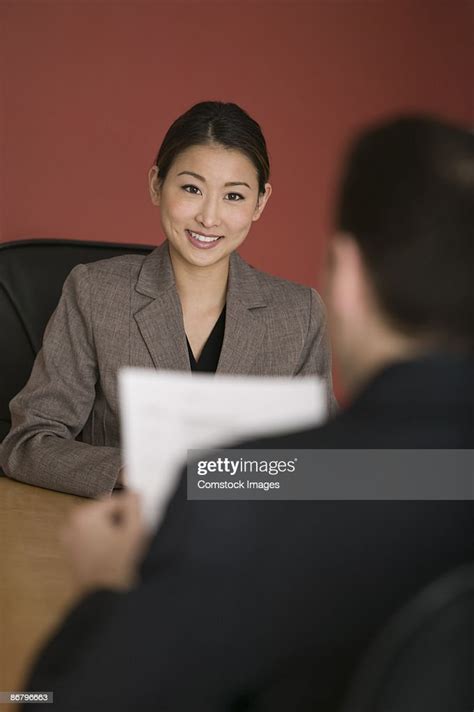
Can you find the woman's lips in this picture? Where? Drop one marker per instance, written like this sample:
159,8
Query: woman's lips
207,243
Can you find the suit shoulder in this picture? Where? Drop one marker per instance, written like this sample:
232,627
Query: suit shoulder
280,291
103,273
97,279
120,266
333,433
278,287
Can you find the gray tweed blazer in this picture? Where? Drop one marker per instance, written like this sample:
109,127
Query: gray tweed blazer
125,311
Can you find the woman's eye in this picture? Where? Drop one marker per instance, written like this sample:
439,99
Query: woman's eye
194,190
234,197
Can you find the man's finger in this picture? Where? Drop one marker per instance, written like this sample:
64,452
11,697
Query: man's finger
125,509
122,500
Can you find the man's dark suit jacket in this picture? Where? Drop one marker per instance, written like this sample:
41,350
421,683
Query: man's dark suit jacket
267,606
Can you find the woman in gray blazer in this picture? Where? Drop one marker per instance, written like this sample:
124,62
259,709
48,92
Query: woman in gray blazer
192,304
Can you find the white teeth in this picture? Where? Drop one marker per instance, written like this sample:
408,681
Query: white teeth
202,238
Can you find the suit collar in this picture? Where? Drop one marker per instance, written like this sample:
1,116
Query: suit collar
243,284
161,321
156,275
244,331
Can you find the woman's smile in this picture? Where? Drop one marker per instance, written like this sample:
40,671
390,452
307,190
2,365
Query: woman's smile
201,240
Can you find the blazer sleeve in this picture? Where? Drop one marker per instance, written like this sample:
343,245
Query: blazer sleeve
53,407
316,354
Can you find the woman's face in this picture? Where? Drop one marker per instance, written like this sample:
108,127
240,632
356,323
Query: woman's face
208,202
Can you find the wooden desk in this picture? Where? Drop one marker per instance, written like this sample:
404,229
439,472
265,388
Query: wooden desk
35,584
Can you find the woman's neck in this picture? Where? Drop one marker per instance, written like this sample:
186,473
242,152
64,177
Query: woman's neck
204,286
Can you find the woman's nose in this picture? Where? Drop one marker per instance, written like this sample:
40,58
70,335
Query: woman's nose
208,215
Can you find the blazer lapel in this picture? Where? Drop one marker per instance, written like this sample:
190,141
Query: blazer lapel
160,321
244,331
159,316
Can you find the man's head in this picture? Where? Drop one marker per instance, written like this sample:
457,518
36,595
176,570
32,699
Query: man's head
401,267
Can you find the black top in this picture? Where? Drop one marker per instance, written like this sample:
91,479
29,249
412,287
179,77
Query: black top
209,357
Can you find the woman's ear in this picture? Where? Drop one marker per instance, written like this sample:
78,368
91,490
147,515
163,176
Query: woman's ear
262,201
154,184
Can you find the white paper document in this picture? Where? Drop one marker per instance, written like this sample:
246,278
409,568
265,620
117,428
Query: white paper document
166,413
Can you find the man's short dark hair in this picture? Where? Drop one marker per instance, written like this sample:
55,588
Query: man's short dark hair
407,197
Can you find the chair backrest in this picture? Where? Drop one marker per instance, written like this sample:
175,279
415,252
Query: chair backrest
423,659
32,273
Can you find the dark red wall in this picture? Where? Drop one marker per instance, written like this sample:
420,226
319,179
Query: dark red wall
88,89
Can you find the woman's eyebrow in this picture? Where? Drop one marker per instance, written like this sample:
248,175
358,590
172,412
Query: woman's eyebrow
226,185
190,173
237,183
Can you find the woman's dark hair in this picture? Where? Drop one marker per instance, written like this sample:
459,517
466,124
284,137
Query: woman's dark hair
407,198
215,122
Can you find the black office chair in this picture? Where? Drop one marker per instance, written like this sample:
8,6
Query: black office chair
423,661
32,273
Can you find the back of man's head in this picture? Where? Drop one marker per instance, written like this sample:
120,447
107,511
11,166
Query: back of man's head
407,199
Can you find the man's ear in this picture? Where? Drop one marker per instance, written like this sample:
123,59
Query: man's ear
347,284
262,201
154,184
